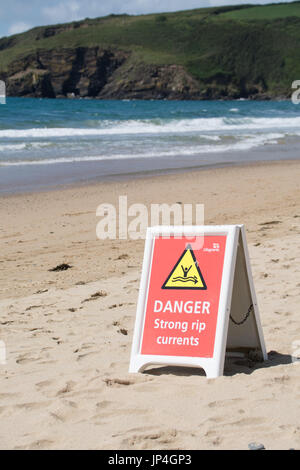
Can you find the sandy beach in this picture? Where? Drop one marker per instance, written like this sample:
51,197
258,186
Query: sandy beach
68,334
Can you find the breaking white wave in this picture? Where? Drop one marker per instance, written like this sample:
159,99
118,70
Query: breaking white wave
160,126
247,144
24,146
12,147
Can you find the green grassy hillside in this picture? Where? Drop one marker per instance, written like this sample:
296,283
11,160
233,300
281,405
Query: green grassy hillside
226,48
268,12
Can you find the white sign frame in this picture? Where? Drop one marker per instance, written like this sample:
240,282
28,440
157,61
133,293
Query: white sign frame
214,366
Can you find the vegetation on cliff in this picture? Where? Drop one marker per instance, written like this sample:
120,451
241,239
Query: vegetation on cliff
227,52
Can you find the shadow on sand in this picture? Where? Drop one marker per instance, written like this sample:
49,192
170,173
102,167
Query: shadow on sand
232,367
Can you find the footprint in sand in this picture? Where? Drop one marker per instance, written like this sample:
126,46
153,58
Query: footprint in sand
88,354
224,403
147,440
282,379
31,307
97,295
247,421
33,405
84,347
64,411
115,306
103,412
118,382
4,396
26,358
37,445
133,281
135,430
103,404
69,387
131,290
44,384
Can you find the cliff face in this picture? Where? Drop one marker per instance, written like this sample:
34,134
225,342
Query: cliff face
59,73
214,53
98,73
109,74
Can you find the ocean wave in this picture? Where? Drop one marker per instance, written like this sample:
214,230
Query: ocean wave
159,126
12,147
246,144
24,145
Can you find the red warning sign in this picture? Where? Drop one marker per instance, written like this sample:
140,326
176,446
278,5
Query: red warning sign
183,296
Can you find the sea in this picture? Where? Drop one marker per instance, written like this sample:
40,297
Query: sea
46,143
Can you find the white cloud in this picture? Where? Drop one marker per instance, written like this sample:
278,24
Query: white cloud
64,11
60,11
19,27
19,15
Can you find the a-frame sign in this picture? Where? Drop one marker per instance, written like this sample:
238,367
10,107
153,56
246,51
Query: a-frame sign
197,300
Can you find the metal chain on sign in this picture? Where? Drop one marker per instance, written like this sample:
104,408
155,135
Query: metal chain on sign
244,319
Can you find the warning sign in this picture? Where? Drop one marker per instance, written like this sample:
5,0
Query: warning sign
186,273
197,299
182,307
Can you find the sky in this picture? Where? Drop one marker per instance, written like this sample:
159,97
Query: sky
17,16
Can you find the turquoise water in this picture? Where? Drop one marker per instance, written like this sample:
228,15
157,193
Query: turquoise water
35,131
45,142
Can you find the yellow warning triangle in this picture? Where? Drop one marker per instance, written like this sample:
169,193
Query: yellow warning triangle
186,273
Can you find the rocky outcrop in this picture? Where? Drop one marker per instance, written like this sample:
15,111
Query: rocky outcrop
141,81
81,72
95,72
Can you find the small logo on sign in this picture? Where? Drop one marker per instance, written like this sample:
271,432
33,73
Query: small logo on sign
214,248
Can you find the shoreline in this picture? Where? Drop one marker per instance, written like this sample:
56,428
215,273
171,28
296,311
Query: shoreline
74,178
144,175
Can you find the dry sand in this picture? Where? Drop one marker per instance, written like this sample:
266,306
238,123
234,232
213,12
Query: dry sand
66,383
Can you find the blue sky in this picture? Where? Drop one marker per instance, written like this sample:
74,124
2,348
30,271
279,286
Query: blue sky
17,16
